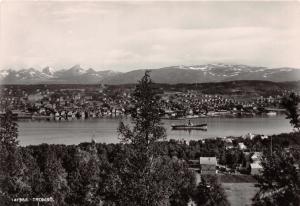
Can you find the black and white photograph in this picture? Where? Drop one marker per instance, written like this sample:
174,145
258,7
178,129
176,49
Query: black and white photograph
149,103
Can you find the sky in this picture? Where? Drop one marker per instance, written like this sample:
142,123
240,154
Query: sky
123,36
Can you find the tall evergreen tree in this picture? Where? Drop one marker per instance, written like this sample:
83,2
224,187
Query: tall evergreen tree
8,132
290,103
9,161
146,118
209,192
278,182
141,176
55,179
139,172
85,177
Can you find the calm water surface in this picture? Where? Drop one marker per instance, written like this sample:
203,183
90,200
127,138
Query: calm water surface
105,130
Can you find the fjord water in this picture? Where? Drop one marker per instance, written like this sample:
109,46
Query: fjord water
33,132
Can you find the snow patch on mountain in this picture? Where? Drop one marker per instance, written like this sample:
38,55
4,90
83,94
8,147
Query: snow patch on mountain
203,68
3,73
48,71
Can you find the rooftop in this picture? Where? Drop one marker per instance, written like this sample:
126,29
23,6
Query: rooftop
208,160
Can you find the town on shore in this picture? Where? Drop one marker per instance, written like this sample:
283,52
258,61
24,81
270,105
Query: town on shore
61,102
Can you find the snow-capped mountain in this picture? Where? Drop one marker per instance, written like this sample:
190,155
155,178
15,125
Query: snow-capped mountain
3,74
30,76
48,75
48,70
209,73
170,75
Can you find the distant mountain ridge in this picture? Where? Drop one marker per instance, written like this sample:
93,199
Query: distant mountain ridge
169,75
208,73
74,75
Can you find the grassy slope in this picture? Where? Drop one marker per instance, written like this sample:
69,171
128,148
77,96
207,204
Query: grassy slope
240,194
239,189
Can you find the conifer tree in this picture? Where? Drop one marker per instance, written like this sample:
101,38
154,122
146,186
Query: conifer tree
140,184
209,192
85,178
141,176
8,132
9,161
146,118
55,179
290,103
278,181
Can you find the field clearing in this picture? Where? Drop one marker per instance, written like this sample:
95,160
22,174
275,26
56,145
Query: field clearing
240,194
233,178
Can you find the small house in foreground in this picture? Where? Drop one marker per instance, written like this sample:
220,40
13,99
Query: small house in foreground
208,165
242,146
256,168
256,165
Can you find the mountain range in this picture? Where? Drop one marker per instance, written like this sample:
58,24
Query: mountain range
170,75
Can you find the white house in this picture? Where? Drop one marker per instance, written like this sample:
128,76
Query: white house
242,146
255,168
249,135
256,165
256,156
208,165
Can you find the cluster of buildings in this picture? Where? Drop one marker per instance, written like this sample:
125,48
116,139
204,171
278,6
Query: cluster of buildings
101,101
194,104
65,103
212,165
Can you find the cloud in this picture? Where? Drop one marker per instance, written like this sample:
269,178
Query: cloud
187,46
130,35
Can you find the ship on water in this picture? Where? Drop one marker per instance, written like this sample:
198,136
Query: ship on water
190,126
